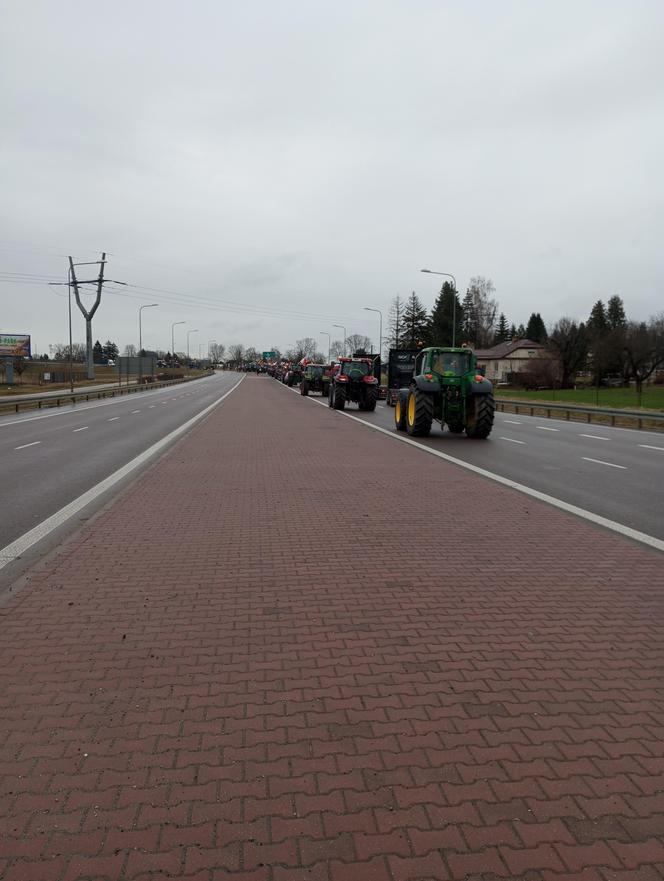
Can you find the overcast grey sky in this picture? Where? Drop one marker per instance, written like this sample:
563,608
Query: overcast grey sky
310,157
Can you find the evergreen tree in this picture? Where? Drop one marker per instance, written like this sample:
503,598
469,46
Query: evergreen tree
535,330
469,320
615,313
110,350
512,335
502,330
395,322
415,330
97,353
597,322
520,333
446,313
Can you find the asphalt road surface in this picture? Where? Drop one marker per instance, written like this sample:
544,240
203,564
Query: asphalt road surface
47,460
613,472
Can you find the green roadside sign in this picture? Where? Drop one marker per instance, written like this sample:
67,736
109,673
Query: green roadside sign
269,356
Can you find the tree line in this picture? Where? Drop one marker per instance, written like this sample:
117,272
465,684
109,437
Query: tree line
608,345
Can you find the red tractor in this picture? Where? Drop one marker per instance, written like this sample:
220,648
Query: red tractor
352,379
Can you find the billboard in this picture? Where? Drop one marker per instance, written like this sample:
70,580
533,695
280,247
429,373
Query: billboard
14,345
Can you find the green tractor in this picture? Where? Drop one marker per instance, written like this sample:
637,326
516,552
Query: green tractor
316,378
447,387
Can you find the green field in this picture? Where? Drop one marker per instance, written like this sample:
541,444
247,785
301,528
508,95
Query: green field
653,396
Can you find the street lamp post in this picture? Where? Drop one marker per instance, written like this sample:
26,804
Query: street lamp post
173,339
189,333
140,325
329,345
380,332
344,330
210,342
449,275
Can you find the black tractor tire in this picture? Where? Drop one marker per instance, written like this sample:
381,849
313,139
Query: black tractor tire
370,398
455,427
304,388
329,395
325,390
479,421
419,413
339,397
400,412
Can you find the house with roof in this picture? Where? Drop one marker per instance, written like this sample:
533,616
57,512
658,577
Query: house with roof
502,361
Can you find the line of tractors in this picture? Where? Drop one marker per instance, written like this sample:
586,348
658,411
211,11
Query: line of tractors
436,384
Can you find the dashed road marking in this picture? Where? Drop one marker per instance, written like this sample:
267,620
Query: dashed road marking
135,411
25,446
512,441
595,436
512,422
650,447
113,418
600,462
85,428
546,428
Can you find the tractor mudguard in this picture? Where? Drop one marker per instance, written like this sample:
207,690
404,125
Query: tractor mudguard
485,387
430,386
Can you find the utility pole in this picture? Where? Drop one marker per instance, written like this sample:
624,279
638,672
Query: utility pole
88,314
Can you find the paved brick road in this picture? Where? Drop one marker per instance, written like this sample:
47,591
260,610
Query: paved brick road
297,650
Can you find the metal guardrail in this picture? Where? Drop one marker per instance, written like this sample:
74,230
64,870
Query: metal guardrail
639,416
28,402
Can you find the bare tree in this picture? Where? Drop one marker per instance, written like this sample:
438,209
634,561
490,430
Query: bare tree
60,351
130,350
235,352
217,351
644,350
358,342
484,309
337,348
568,343
307,346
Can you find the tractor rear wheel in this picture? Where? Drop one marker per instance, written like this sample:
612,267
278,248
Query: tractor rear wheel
400,412
479,421
370,398
339,397
304,388
419,413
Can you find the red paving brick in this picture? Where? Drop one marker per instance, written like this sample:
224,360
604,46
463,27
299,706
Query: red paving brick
296,649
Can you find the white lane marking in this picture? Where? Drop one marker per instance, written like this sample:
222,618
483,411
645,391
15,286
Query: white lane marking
14,550
512,422
113,418
85,428
649,447
597,519
595,436
546,428
135,411
600,462
25,446
512,441
152,406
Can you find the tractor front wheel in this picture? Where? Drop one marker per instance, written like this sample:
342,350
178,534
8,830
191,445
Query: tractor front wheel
419,413
479,421
339,396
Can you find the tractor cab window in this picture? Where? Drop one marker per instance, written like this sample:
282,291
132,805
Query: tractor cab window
451,362
355,368
315,371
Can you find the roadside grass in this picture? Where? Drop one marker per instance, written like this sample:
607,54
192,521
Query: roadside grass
652,399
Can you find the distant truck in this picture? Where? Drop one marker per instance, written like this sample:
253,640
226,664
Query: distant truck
400,366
